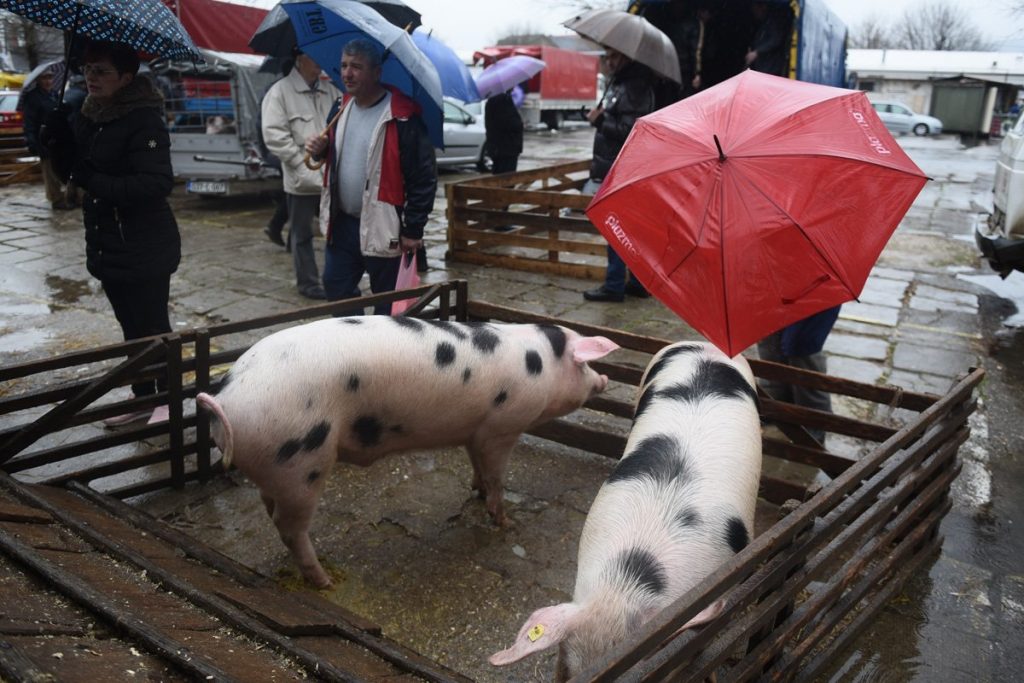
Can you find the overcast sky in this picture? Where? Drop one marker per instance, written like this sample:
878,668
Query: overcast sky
467,25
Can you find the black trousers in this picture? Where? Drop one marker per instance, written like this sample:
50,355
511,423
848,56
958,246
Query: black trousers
504,164
141,309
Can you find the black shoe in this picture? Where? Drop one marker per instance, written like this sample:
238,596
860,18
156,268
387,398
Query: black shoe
634,288
602,294
274,236
314,293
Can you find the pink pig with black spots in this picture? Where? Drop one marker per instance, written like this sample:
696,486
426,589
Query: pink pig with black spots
356,389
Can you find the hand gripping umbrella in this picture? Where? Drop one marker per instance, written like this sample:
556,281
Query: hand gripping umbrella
323,27
756,203
506,73
276,37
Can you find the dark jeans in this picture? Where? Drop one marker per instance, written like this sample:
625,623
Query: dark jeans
302,209
344,265
141,309
770,349
280,217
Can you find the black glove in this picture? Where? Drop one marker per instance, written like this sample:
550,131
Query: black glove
82,173
56,129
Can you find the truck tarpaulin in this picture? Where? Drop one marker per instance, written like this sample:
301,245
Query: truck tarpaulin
224,25
568,75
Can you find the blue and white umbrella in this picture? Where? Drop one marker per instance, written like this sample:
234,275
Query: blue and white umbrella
456,81
146,25
323,27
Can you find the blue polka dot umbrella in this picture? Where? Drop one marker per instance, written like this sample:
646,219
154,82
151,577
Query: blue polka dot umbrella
147,25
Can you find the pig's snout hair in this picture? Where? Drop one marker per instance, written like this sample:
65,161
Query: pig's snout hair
220,428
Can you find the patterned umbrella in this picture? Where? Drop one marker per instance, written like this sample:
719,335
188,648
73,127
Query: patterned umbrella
146,25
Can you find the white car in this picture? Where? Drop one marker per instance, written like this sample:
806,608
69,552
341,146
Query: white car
1001,238
899,118
464,136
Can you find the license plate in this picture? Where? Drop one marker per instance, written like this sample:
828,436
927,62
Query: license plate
207,187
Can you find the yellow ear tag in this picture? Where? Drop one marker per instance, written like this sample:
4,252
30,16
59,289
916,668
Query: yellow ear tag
536,632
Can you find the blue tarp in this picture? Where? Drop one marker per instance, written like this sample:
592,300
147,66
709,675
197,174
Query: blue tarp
821,55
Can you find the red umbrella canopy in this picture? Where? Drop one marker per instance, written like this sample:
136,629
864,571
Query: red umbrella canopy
756,203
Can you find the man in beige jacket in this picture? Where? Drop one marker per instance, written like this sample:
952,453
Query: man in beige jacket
294,109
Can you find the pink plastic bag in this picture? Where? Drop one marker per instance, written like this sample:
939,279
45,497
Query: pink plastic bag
407,279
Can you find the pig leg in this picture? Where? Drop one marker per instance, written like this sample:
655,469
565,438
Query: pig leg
489,456
293,517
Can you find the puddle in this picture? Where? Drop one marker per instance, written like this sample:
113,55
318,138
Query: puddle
1012,288
67,291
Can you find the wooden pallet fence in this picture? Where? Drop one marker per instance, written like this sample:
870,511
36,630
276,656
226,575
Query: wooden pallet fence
529,220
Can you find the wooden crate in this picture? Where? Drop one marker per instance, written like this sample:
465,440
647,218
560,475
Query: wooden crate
800,592
550,233
16,163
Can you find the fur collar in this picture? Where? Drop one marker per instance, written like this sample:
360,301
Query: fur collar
139,94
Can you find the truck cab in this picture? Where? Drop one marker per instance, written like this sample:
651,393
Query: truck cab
1001,238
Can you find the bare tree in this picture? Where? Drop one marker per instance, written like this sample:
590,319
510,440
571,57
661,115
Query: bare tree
937,26
35,43
871,34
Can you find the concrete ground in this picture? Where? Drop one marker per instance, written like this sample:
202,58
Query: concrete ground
409,548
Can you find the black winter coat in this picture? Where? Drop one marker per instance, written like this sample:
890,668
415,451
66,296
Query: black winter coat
35,105
122,161
629,96
504,126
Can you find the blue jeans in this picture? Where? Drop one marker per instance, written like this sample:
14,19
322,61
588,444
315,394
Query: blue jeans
344,265
615,274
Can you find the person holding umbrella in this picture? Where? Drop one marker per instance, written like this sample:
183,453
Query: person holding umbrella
120,158
629,96
504,133
380,177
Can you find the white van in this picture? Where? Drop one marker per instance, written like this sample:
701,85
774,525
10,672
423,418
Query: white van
1001,239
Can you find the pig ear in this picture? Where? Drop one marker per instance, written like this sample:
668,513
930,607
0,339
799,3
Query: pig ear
591,348
545,628
704,616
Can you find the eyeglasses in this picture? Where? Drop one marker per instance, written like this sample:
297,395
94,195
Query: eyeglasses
90,70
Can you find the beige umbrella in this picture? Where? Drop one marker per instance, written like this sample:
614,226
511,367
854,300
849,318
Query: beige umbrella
632,35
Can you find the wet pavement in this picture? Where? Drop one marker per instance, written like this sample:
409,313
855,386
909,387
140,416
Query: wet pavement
410,549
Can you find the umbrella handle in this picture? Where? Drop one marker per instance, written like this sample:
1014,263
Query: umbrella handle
317,164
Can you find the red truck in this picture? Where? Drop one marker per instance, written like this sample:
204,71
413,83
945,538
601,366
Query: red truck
565,88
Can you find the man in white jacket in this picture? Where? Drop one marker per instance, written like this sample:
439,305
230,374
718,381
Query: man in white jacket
295,108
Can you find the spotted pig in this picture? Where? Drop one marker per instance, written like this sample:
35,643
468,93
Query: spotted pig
677,505
356,389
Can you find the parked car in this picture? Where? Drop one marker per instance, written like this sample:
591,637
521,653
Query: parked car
899,118
1001,238
464,136
10,118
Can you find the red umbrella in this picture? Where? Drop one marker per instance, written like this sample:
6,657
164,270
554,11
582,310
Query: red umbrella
756,203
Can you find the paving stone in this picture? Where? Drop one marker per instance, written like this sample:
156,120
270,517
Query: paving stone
871,313
945,363
856,346
946,295
857,370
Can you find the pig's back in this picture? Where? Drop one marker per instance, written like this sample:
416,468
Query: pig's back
681,501
384,384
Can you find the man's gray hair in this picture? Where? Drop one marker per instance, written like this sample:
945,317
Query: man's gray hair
361,47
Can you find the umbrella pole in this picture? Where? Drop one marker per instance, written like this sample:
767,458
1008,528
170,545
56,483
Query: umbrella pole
308,159
67,55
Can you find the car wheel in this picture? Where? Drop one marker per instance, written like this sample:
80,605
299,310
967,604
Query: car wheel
921,129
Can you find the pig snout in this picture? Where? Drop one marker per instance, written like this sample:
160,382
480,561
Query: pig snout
600,385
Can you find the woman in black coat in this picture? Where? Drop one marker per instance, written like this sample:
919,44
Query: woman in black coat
121,160
504,128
